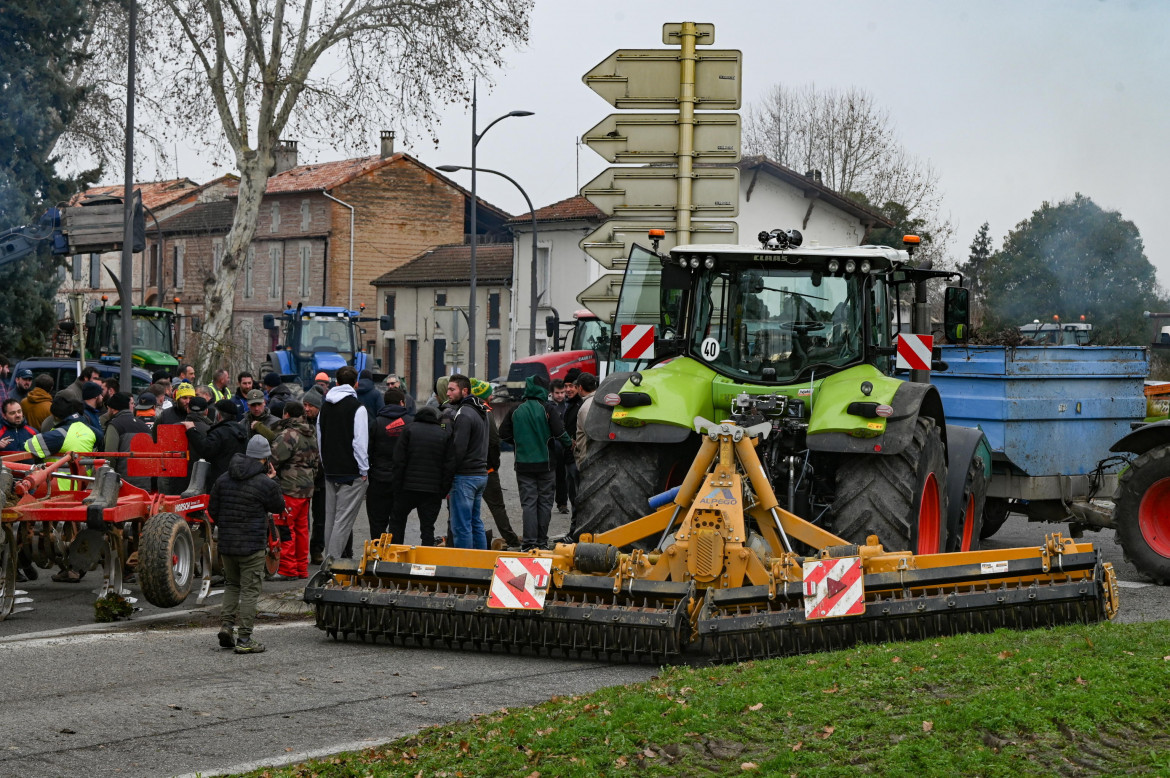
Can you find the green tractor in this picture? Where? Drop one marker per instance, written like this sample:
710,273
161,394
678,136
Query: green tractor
153,330
803,339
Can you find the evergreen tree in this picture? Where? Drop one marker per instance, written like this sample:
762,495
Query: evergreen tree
39,44
1069,260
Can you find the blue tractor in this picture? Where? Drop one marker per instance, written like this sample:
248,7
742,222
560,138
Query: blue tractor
316,339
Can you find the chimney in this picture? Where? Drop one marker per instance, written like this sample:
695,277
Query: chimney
387,137
284,156
814,175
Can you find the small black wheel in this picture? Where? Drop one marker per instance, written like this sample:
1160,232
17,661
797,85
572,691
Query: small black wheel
166,560
995,513
1143,513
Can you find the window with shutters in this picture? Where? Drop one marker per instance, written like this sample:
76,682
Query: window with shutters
179,255
274,224
306,267
249,271
95,271
306,216
493,310
441,297
493,359
78,267
274,262
390,308
391,365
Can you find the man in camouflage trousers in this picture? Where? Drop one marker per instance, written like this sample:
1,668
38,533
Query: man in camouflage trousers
294,452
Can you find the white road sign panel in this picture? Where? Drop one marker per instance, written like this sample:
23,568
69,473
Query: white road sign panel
645,138
653,191
610,243
648,79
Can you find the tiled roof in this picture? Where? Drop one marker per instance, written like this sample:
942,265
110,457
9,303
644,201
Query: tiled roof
202,219
834,198
571,208
452,264
155,194
325,175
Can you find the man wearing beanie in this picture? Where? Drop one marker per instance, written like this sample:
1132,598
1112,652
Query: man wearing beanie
178,413
91,401
122,426
278,394
218,445
239,504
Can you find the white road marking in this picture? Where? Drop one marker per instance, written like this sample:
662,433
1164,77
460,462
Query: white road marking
287,759
1133,584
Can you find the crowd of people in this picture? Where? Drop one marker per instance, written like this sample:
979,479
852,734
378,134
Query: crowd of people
314,461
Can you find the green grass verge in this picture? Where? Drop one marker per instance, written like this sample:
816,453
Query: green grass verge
1069,701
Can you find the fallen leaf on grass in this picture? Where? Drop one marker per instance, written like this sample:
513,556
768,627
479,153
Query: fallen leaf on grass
1004,654
464,746
1166,659
832,690
797,745
896,659
745,766
621,761
826,732
1082,681
927,726
534,774
650,753
757,706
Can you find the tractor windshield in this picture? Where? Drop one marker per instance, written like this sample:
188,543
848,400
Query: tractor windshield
321,333
770,324
150,332
591,335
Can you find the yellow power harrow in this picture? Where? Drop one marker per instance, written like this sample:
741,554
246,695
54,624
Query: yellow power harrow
731,568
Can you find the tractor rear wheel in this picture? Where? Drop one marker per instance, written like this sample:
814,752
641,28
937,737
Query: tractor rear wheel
166,560
8,552
963,532
618,480
1143,513
901,498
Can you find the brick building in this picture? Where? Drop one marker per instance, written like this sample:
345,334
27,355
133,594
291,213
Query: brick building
305,251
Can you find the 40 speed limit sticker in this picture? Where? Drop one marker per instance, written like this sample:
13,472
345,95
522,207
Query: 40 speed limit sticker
709,349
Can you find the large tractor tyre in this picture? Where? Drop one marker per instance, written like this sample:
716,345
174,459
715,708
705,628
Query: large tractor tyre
995,513
963,531
1142,513
166,560
8,552
901,498
618,480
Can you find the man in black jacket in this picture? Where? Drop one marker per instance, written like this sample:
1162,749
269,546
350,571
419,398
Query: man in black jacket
218,445
469,438
385,432
423,467
239,504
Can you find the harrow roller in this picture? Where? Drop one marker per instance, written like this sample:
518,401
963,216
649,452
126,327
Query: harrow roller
725,573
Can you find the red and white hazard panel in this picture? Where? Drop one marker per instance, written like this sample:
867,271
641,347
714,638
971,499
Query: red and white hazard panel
833,587
637,341
914,352
520,583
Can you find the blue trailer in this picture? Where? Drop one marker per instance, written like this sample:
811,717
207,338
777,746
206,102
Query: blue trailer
1059,421
318,339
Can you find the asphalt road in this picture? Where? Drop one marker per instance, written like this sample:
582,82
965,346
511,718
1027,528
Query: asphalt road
156,696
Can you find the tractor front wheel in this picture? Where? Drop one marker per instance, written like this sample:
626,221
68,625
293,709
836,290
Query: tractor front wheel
166,560
901,498
967,524
1143,513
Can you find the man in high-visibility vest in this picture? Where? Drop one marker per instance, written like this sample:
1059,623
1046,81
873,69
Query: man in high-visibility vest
70,434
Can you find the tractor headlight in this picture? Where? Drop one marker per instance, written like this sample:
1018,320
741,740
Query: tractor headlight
865,266
709,262
694,262
850,266
682,262
834,266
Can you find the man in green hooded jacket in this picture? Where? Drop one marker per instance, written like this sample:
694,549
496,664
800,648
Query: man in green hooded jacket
534,430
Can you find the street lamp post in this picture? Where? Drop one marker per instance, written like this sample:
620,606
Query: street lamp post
475,139
532,212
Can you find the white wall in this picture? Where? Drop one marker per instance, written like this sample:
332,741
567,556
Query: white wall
775,204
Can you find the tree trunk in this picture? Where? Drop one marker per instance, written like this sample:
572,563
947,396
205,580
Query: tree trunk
219,344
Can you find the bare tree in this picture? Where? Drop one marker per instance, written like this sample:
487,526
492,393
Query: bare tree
238,75
852,142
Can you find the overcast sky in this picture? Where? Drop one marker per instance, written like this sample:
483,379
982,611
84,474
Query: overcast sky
1013,103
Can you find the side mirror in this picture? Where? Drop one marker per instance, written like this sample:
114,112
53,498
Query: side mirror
269,321
550,326
956,314
90,320
384,324
196,324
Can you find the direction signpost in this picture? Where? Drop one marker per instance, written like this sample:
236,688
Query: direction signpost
677,81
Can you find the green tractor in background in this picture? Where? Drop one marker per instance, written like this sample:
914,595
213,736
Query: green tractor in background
153,332
805,339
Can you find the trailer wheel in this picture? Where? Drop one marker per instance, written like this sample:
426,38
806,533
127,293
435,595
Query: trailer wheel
964,533
8,551
166,560
995,513
1143,513
618,480
901,498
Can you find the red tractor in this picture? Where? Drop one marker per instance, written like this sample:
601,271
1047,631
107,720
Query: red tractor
585,346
